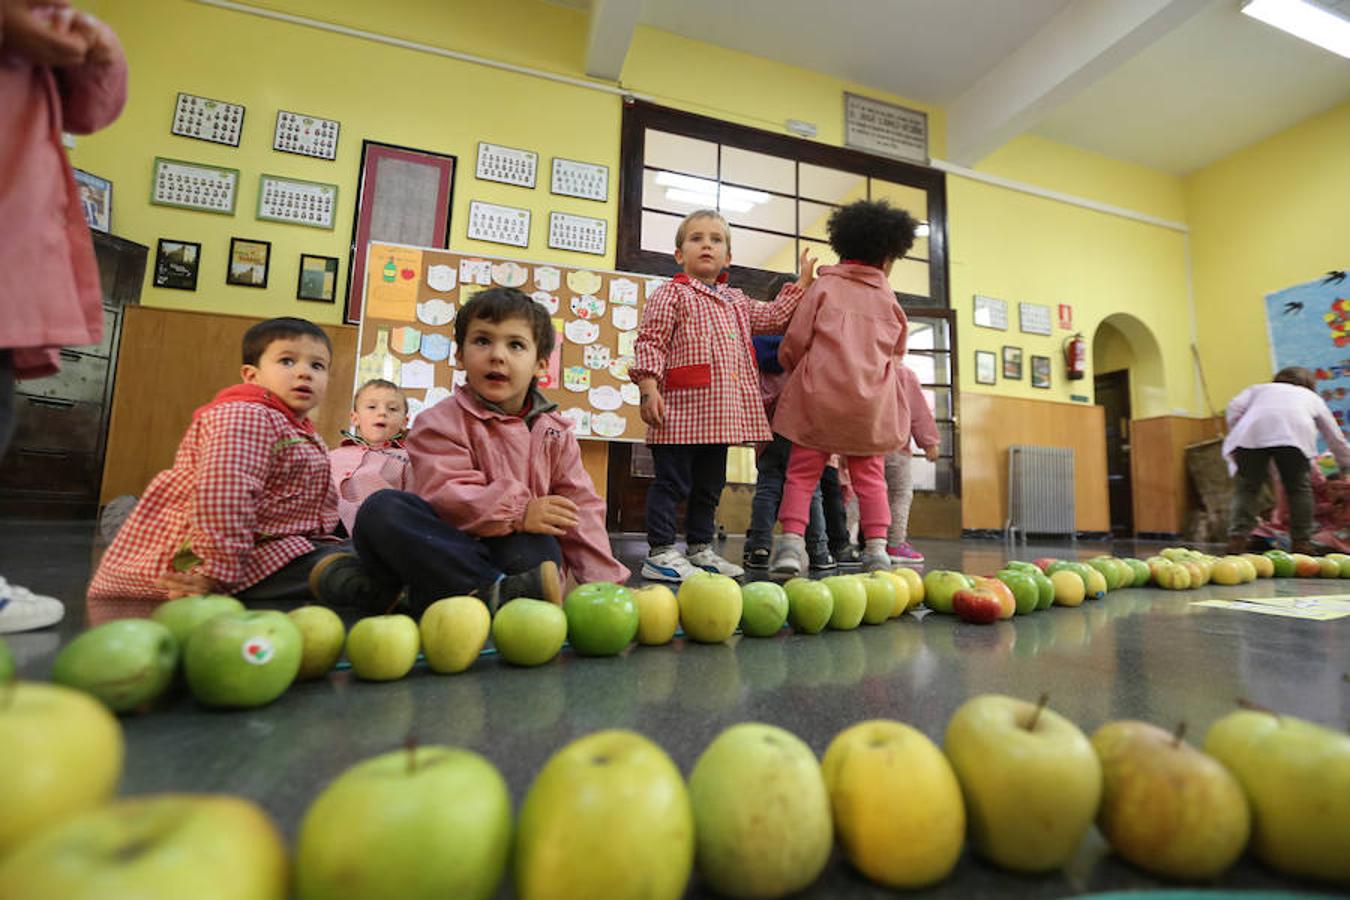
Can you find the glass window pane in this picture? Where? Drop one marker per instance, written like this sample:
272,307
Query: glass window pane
640,463
741,465
681,154
928,334
923,473
823,252
812,219
741,206
912,199
831,185
763,251
772,173
658,232
932,368
910,276
676,192
939,400
919,250
946,435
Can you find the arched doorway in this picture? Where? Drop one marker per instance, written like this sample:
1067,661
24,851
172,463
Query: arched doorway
1129,384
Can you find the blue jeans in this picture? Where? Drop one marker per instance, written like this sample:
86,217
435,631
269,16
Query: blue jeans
772,466
692,474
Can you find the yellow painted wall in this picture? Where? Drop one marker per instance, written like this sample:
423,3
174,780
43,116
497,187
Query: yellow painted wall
1267,217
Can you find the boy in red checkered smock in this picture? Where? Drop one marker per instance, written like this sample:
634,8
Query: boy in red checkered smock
249,506
695,368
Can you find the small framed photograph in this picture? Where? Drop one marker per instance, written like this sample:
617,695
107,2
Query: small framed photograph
986,367
249,262
318,278
1012,363
176,264
1040,371
95,199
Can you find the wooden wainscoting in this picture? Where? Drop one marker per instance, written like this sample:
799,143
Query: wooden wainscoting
1162,495
990,424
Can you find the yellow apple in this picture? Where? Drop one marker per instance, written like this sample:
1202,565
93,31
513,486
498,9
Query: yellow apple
1264,565
658,614
1069,588
915,584
453,631
383,648
1227,572
902,601
710,607
322,635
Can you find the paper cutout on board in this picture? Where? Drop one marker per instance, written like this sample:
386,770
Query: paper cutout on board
550,377
583,282
436,312
435,347
405,339
606,397
625,317
631,394
417,374
579,331
467,291
628,343
454,353
475,271
580,419
458,379
619,367
608,424
596,356
547,278
577,378
415,406
623,292
509,274
379,363
546,300
391,284
1309,326
441,278
435,395
649,287
586,306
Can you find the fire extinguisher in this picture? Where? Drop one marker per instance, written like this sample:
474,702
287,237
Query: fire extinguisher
1075,357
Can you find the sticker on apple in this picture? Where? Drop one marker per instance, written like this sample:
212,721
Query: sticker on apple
441,278
257,651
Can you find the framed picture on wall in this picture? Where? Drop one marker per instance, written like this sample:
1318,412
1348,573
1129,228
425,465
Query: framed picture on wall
986,367
95,199
1040,371
176,264
1012,363
318,278
249,261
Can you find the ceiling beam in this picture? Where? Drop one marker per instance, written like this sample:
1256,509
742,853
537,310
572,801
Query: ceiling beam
1080,44
609,35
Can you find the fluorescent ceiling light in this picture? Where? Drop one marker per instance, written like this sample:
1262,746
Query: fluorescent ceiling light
1304,20
704,192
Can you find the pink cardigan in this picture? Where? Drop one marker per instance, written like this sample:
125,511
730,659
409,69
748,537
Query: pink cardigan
360,470
479,468
49,287
922,427
843,351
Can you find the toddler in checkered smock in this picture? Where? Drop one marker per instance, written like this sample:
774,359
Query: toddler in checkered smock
695,368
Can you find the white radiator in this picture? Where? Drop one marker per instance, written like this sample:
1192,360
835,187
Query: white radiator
1040,490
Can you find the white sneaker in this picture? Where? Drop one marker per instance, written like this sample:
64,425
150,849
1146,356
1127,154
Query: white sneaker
709,561
789,557
875,560
668,565
23,610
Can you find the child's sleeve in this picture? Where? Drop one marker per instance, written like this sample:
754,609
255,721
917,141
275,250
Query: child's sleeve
1331,433
773,317
653,340
234,455
445,475
922,427
1237,406
92,95
797,338
586,549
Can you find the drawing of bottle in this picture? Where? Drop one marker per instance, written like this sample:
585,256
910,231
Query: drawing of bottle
390,270
379,362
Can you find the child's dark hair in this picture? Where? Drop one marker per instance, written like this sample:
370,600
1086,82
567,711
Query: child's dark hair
260,336
871,231
502,303
383,384
1297,376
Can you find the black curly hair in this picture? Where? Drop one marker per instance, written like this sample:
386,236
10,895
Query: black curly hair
871,231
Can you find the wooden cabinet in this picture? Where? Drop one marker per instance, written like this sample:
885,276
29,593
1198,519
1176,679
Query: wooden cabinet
55,461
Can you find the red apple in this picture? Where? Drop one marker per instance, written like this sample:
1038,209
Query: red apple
1045,562
1007,602
978,605
408,274
1305,566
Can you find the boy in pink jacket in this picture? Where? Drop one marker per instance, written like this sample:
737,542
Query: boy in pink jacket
844,395
501,499
371,457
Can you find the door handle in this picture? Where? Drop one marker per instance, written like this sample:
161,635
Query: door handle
51,401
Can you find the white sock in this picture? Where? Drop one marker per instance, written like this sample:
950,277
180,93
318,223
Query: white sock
874,545
793,540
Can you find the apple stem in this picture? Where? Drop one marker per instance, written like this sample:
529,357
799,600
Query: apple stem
1178,734
398,598
411,746
1036,715
1256,707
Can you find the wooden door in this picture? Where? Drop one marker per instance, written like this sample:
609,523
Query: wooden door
1113,395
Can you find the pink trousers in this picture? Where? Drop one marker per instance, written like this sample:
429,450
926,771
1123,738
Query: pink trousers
868,474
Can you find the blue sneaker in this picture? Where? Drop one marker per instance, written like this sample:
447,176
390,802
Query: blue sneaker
668,565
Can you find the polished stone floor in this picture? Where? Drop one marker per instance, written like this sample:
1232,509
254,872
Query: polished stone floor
1143,654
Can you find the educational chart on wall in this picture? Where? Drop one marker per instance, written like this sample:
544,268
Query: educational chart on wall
408,335
1310,326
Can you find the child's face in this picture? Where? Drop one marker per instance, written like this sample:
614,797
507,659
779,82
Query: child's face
379,414
704,252
500,359
295,369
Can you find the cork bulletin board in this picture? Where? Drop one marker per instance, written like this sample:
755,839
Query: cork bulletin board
407,330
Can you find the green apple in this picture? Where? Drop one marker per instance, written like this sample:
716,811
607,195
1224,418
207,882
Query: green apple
1031,780
939,586
127,663
1342,560
1166,807
1019,565
154,847
810,605
1024,589
764,609
243,659
529,632
383,648
453,631
710,607
1140,570
1296,776
602,618
1113,576
181,616
1045,589
416,824
879,591
1173,577
1329,568
60,753
607,816
322,635
761,813
1175,554
1284,563
6,663
850,600
658,614
896,803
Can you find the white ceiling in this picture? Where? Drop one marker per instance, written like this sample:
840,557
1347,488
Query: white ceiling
1201,86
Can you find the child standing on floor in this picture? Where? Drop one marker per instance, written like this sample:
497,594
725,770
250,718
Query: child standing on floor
899,483
844,394
695,368
371,457
249,506
501,496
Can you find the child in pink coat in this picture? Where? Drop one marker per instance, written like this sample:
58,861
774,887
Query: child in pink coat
844,351
371,457
899,482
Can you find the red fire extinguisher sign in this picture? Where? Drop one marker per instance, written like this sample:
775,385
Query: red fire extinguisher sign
1075,357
